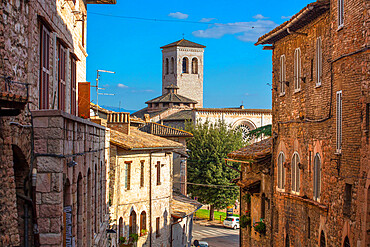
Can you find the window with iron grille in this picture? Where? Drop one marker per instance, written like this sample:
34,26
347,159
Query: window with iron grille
282,74
281,171
73,86
340,13
297,69
61,77
44,68
318,61
295,173
317,177
339,121
128,174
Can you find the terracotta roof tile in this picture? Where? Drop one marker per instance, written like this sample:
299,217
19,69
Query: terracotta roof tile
164,131
184,43
140,140
181,205
181,115
172,98
256,151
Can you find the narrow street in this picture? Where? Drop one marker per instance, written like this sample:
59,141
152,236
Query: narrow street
216,236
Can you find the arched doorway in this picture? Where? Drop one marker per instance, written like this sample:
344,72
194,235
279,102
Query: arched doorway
79,210
120,227
67,213
322,239
287,241
346,242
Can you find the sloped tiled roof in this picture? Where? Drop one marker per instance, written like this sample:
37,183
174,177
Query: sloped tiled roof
299,20
181,205
137,140
164,131
254,152
172,98
142,112
184,43
181,115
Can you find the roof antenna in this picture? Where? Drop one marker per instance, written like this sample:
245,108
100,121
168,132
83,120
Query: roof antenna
183,36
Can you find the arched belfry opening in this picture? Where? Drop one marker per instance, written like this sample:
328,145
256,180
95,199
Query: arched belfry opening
185,65
194,65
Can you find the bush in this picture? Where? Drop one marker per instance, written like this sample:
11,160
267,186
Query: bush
260,227
245,220
133,237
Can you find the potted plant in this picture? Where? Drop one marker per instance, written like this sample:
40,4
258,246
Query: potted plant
133,238
245,221
260,227
143,232
122,242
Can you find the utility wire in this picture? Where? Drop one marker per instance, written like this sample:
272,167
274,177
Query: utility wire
212,185
166,20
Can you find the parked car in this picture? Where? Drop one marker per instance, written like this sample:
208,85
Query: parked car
203,244
232,222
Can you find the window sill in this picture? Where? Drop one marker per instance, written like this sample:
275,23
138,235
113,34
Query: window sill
280,190
282,94
340,27
318,85
297,91
306,200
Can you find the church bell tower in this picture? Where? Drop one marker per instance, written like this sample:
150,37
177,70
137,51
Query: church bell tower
183,67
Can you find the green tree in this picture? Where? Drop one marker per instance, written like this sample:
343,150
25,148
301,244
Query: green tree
263,131
206,165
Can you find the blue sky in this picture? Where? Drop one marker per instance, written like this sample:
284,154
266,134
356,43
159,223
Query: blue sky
235,70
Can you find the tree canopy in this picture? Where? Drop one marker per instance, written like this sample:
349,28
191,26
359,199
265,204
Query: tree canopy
206,165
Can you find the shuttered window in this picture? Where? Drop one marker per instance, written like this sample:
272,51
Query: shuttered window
295,173
158,166
297,69
318,61
282,74
157,225
142,173
73,86
44,68
317,177
339,121
281,171
340,13
62,77
128,174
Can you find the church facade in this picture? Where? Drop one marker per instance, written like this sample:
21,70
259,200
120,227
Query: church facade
182,94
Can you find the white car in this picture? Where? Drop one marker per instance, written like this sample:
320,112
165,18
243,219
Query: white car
232,222
203,244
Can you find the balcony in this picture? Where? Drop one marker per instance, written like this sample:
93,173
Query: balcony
13,96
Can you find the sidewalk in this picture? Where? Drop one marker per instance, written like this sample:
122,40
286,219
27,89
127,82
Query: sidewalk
204,222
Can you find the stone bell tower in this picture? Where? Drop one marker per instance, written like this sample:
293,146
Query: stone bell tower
183,67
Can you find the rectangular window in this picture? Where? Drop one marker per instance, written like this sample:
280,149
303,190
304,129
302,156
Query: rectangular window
142,173
347,200
339,121
297,69
282,75
128,174
318,62
340,13
44,68
73,86
61,77
158,166
157,225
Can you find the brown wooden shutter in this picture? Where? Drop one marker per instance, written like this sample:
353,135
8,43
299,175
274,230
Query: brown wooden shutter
44,68
62,77
73,86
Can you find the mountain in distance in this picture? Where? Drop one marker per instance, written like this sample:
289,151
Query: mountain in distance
117,109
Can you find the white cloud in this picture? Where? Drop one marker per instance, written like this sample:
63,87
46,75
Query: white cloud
120,85
178,15
244,31
207,19
143,91
259,17
286,17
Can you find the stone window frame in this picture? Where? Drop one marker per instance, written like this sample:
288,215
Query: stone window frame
319,67
294,176
340,14
339,121
297,70
317,177
281,173
282,75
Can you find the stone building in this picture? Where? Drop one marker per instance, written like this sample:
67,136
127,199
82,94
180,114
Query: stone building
182,93
320,107
255,184
52,162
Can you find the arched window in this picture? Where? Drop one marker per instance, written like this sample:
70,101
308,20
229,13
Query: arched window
322,239
245,127
317,177
172,65
295,173
185,64
297,69
318,62
120,228
287,241
346,242
142,221
166,65
281,171
132,226
282,74
194,66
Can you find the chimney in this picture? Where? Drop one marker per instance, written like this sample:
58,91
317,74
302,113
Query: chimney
84,99
119,121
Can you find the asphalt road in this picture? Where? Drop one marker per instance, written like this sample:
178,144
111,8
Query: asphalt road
216,236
